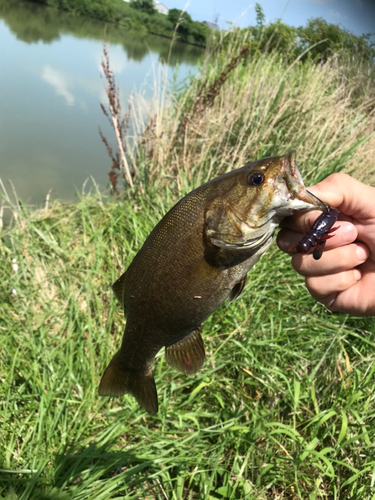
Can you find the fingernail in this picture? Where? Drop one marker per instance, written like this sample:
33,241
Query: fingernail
348,233
361,253
357,274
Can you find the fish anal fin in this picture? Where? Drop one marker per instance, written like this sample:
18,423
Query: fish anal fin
237,289
118,380
118,288
186,355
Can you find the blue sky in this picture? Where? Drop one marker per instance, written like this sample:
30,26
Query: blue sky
357,16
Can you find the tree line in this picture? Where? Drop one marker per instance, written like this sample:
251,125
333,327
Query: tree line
317,40
139,15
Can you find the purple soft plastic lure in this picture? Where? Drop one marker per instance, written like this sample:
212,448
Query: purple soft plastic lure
319,233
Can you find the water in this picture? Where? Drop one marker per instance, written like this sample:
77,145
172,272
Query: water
51,89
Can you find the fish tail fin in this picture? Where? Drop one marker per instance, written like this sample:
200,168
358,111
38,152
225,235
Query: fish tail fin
118,380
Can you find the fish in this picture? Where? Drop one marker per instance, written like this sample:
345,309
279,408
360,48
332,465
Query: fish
197,256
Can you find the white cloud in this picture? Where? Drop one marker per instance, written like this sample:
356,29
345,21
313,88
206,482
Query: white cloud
337,15
117,58
59,82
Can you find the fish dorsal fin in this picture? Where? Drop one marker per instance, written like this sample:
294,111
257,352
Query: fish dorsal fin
118,288
186,355
237,289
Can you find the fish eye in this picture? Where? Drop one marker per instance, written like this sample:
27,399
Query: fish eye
256,179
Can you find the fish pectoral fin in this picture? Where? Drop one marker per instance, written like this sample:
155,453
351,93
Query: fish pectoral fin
118,380
237,289
186,355
118,288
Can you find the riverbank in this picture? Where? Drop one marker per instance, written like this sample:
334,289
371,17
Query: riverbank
240,107
282,407
123,14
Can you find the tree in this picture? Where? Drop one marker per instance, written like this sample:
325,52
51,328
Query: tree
261,18
176,15
200,32
333,38
321,38
181,19
145,5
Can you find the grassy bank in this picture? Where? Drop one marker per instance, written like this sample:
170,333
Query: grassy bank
282,408
241,106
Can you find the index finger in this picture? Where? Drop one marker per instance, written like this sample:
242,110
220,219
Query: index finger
347,233
302,221
353,199
348,195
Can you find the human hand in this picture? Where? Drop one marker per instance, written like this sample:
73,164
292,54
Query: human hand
344,277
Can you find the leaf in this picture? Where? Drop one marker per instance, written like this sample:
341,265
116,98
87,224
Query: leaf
344,427
356,476
326,417
297,391
308,448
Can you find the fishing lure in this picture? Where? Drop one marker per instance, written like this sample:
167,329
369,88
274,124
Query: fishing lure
319,233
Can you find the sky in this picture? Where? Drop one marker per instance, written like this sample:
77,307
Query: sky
358,16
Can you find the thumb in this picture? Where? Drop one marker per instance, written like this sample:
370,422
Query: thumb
350,196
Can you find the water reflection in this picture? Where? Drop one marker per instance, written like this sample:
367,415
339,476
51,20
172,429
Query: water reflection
33,23
50,90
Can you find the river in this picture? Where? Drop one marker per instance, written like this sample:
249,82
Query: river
50,94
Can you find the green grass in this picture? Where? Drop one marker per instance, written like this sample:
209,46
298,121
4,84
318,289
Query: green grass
282,408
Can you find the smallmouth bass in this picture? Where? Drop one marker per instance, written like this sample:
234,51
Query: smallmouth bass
198,255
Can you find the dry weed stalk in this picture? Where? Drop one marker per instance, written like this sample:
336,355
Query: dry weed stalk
119,125
206,96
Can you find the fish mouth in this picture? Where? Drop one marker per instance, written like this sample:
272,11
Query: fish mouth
295,183
283,195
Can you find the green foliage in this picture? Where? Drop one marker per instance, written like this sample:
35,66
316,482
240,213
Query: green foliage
282,408
139,15
178,16
277,36
318,40
332,38
146,5
260,17
187,29
33,23
198,32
